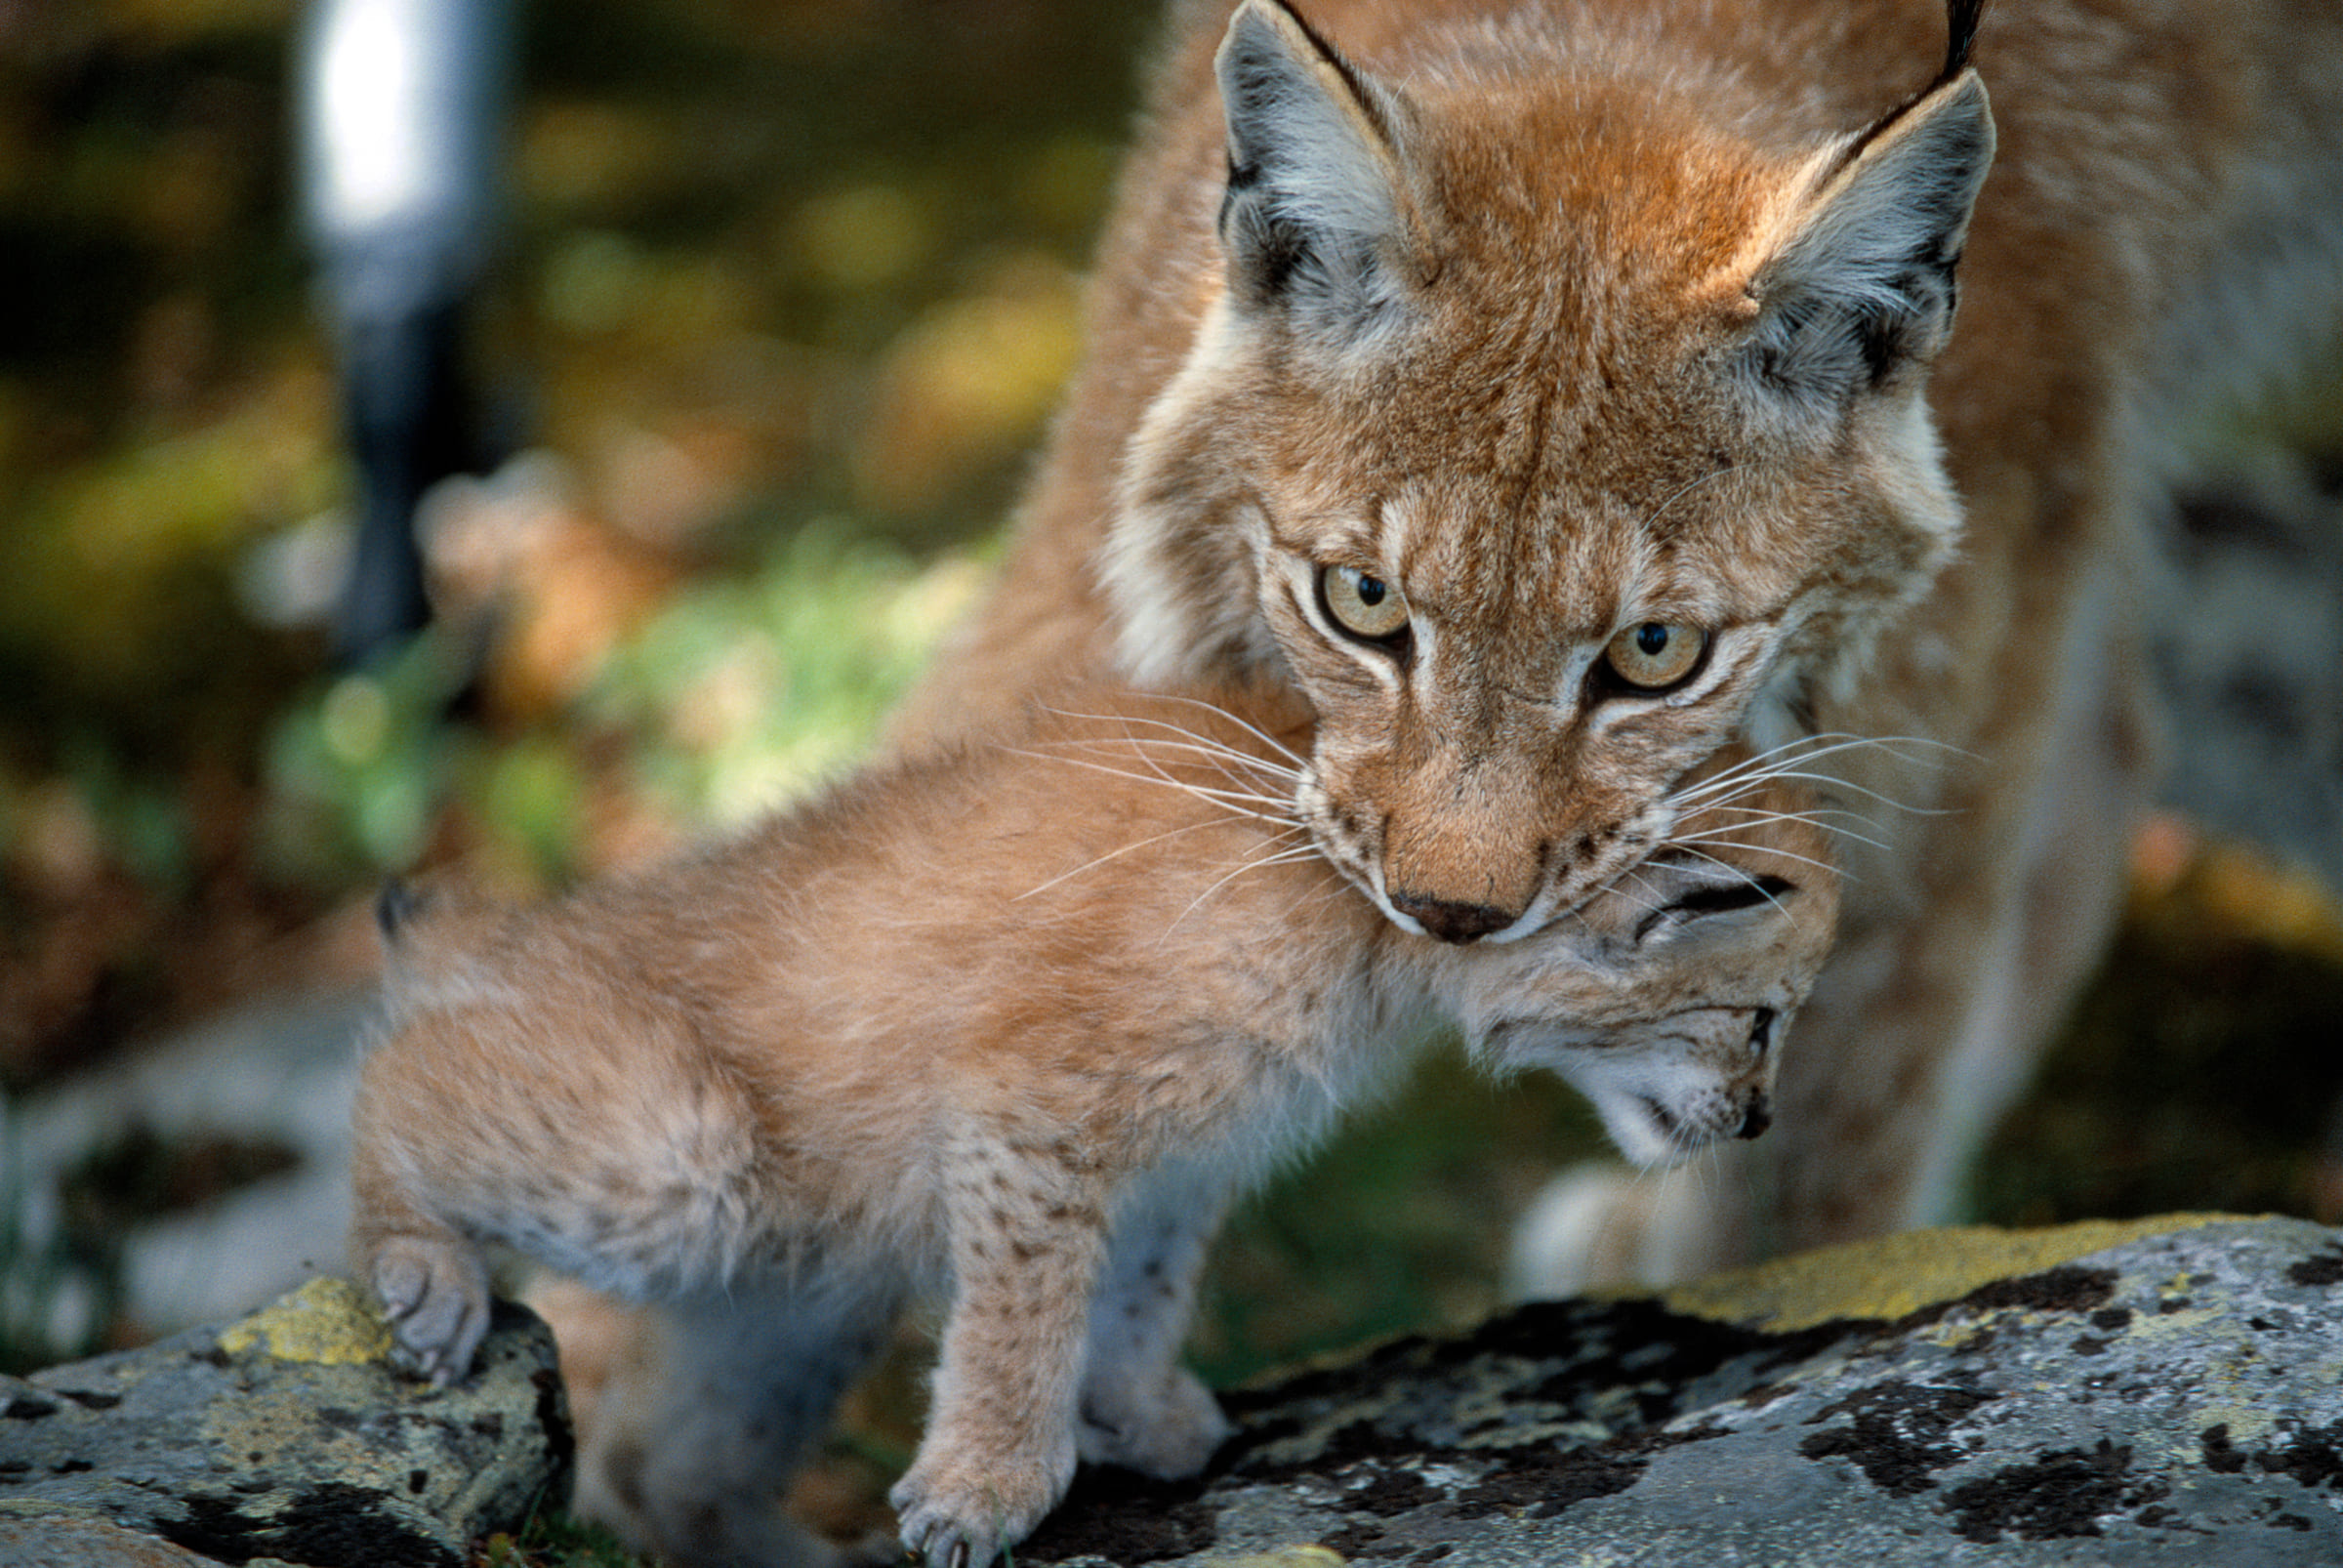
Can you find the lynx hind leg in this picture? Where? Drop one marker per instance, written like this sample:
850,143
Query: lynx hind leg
574,1123
1141,1409
708,1410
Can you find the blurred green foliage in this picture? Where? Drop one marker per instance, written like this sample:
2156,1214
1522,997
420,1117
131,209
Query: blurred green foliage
741,693
810,265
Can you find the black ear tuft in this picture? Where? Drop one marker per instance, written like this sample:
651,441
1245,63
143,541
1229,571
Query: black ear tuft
1314,208
1859,284
1704,899
394,906
1962,18
1734,896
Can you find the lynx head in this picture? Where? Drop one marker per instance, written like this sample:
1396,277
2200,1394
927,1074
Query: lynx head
1667,998
1546,429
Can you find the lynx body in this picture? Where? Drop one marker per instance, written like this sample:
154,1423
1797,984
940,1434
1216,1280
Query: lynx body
1550,390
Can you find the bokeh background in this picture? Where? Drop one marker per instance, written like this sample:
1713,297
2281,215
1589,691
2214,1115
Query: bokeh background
781,305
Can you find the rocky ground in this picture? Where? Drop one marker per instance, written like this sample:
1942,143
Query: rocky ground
2164,1392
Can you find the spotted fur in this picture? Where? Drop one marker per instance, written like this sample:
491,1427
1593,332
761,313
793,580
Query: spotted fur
1002,1024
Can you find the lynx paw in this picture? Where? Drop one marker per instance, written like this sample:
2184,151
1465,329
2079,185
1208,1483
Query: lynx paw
436,1297
963,1510
1169,1432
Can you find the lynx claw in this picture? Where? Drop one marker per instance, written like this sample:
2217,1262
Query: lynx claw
942,1542
435,1301
971,1520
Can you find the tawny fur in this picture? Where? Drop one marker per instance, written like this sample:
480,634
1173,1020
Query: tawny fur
1513,304
1012,1023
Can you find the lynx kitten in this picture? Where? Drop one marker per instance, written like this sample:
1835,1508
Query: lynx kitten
1010,1024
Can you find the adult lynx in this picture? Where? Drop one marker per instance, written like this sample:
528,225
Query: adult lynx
1552,390
1002,1019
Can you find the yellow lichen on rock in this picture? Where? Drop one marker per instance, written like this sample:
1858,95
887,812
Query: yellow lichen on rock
1897,1275
329,1322
1309,1556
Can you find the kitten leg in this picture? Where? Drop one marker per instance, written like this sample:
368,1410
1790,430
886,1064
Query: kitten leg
1926,1030
430,1277
433,1283
714,1406
1141,1408
1027,1237
595,1141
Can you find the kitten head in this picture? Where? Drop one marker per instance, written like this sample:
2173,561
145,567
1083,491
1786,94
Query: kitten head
1665,1000
1546,429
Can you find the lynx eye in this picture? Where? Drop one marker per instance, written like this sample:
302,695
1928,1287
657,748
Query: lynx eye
1655,655
1362,603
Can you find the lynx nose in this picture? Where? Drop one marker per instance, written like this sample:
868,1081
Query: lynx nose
1452,923
1756,1118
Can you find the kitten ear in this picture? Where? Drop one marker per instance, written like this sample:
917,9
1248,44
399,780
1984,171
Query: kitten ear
1315,213
1859,284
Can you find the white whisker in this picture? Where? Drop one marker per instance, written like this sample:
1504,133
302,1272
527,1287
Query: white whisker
1275,806
1261,772
1263,736
1258,778
1774,762
1115,854
1693,846
1832,781
1219,748
1254,862
1686,489
1228,799
1818,817
1715,834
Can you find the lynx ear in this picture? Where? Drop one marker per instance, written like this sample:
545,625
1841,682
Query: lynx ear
1315,213
1859,284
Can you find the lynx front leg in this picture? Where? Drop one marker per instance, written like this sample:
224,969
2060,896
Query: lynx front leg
1027,1233
1141,1408
1927,1024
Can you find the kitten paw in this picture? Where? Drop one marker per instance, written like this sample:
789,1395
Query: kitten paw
434,1295
964,1513
1599,1224
1169,1432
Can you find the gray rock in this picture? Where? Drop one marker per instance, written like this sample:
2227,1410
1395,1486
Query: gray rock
278,1073
58,1541
282,1436
2170,1392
